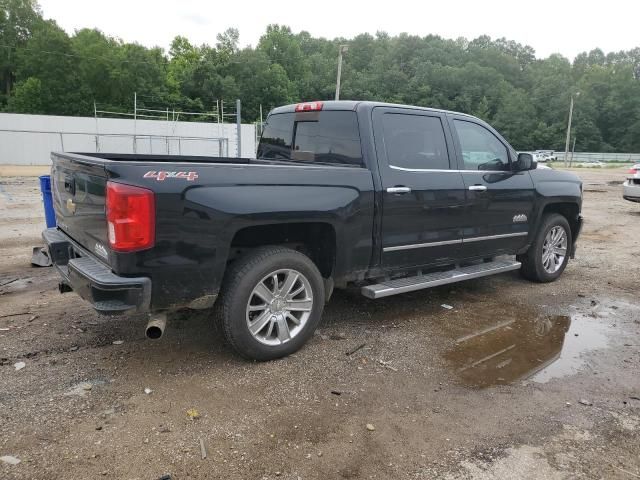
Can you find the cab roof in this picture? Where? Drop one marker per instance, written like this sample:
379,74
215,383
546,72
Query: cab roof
354,105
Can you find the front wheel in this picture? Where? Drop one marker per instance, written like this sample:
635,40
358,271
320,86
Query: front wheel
272,302
548,256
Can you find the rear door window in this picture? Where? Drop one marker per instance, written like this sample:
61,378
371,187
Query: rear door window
415,142
312,137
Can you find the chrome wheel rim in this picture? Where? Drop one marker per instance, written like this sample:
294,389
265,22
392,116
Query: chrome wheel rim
554,249
279,307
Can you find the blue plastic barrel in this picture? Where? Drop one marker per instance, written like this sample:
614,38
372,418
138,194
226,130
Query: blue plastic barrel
47,199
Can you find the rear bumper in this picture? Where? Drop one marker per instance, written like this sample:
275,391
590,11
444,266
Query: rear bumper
631,191
107,292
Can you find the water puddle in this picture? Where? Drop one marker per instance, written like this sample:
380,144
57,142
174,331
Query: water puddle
513,349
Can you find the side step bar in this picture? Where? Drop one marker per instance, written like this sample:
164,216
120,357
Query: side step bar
410,284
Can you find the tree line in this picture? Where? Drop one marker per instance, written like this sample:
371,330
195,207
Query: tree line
46,71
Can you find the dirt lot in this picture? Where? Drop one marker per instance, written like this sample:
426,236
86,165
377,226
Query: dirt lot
517,380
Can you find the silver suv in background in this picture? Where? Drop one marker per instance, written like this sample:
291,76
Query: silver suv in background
631,186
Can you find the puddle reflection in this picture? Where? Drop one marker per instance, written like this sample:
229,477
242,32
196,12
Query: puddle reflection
518,348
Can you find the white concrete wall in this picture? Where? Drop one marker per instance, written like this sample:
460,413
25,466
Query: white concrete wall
32,146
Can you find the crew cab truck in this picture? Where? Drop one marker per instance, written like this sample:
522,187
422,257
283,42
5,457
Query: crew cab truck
379,197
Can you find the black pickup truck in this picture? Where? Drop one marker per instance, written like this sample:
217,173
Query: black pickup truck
384,198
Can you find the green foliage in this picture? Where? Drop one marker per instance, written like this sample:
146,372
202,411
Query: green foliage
17,19
44,70
27,97
48,57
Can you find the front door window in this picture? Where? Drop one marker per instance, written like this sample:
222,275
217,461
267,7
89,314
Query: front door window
481,149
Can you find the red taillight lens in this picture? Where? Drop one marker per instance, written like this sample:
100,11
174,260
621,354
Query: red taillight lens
131,217
309,107
633,171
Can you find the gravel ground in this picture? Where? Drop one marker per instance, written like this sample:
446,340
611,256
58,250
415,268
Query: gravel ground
517,380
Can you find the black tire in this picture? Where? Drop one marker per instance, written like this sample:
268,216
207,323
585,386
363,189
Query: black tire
240,280
532,264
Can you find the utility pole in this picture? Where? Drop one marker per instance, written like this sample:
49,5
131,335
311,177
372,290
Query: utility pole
566,146
341,50
573,149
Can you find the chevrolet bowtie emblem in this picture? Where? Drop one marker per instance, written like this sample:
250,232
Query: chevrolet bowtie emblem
71,207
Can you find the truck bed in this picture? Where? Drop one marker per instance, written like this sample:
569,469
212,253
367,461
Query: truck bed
206,208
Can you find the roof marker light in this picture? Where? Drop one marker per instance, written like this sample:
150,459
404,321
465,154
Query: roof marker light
309,107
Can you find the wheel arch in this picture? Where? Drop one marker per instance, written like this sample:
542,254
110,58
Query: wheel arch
569,210
317,240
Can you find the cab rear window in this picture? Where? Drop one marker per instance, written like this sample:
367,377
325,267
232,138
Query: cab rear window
312,137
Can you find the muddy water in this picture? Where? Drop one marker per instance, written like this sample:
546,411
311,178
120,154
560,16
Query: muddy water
504,350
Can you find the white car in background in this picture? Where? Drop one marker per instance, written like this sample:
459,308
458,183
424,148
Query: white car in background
591,164
546,156
631,186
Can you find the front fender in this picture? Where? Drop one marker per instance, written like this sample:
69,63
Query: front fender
555,191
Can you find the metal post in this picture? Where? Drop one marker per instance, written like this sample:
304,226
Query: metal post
95,114
218,117
167,137
61,142
239,127
135,119
341,49
573,149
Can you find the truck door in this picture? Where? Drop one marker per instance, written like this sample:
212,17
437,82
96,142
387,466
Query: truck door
423,194
499,200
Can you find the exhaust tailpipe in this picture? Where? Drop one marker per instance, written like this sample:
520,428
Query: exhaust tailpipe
155,327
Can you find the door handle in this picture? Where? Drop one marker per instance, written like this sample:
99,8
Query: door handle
478,188
398,190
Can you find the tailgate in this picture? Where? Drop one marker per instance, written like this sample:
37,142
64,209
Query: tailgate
78,189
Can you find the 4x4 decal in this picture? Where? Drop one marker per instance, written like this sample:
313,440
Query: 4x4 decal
161,176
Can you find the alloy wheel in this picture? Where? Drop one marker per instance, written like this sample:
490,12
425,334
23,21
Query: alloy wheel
279,307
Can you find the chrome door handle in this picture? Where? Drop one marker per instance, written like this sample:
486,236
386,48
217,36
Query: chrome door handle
478,188
398,190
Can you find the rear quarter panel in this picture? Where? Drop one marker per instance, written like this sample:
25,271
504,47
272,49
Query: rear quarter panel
197,220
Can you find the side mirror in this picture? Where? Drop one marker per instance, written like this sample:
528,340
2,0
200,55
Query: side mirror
525,162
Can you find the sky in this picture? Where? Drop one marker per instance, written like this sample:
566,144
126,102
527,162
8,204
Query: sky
549,26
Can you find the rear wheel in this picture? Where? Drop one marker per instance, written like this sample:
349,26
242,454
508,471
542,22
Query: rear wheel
272,302
548,256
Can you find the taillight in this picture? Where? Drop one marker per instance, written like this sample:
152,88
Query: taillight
131,217
309,107
633,171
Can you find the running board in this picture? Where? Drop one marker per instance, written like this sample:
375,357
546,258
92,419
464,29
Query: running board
410,284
